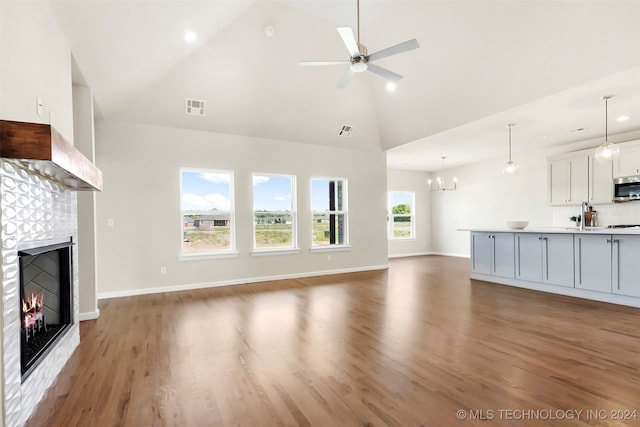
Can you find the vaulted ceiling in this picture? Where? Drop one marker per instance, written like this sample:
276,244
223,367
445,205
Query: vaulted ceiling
482,64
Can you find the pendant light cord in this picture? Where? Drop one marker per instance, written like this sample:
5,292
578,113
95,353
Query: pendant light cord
606,119
510,143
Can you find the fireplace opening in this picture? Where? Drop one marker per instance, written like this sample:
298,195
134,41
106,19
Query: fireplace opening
46,298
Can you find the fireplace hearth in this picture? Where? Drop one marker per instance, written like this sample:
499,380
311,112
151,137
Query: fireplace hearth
46,300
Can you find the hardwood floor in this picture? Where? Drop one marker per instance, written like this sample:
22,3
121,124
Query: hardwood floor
410,346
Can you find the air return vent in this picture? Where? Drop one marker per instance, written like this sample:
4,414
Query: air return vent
195,107
345,131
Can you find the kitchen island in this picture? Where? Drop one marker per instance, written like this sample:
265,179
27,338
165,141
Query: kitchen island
597,263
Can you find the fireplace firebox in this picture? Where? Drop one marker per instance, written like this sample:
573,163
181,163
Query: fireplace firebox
46,300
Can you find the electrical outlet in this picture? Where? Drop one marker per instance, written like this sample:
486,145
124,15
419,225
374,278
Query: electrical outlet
39,106
163,270
110,222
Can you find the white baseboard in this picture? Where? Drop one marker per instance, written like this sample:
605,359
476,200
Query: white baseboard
450,254
409,254
428,253
91,315
191,286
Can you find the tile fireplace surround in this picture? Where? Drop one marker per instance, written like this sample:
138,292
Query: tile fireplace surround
33,209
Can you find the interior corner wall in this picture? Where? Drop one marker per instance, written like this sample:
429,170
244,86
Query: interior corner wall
141,164
413,181
84,142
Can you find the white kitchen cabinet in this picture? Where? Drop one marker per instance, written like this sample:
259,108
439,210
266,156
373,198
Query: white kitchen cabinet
568,180
600,181
493,254
557,259
593,262
529,256
628,162
625,269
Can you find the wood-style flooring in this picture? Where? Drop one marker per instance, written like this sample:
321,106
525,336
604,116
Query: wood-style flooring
418,345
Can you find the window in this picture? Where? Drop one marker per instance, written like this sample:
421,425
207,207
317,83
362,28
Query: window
206,201
274,216
329,211
401,215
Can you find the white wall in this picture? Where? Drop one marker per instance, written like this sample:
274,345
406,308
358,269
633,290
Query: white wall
35,61
414,181
141,194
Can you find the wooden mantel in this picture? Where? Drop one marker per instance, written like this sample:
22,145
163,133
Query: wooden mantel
41,149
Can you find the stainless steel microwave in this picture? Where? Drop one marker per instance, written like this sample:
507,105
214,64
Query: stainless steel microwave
626,189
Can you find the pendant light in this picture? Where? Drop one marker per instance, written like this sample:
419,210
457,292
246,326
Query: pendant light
510,167
607,151
440,181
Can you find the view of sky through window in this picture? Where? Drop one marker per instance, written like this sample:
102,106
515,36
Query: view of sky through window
205,191
274,193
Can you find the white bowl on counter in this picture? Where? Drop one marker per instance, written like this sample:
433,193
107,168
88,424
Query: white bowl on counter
517,225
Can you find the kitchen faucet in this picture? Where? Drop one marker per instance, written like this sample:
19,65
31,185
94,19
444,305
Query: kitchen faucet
583,209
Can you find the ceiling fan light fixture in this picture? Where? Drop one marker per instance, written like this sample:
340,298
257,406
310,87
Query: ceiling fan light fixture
358,64
606,151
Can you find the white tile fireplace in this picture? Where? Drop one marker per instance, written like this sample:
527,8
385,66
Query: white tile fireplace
34,211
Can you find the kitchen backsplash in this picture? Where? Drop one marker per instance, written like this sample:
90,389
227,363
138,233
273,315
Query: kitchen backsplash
615,213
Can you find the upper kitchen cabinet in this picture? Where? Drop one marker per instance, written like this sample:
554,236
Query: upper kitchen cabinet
578,177
600,181
628,162
568,180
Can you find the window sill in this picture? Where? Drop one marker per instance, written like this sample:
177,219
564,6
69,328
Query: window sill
208,255
269,252
330,248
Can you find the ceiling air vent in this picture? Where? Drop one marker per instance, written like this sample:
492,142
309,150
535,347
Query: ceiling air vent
195,107
345,131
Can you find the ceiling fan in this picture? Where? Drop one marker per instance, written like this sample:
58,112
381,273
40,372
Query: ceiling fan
360,59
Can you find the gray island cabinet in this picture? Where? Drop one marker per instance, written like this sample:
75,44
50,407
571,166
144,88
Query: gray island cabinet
493,254
542,258
590,264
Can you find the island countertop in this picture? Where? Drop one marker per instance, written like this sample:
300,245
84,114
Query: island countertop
561,230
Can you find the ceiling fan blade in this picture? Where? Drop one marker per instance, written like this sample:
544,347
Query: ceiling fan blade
394,50
349,41
345,79
383,72
316,63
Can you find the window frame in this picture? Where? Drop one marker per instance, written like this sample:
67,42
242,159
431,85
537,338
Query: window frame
293,248
391,216
345,245
223,253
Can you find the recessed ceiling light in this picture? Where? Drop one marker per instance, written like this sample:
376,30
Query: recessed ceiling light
391,86
190,36
269,30
622,118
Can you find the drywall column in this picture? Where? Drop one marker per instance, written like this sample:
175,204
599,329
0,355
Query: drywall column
85,142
